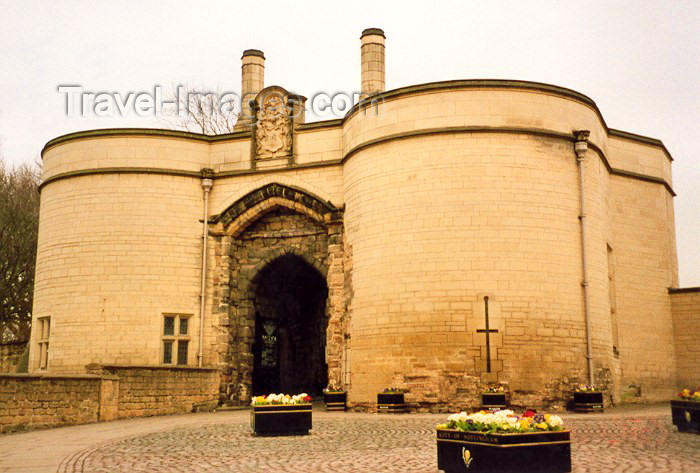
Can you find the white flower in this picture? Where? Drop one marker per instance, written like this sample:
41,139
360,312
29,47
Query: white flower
461,417
555,421
478,417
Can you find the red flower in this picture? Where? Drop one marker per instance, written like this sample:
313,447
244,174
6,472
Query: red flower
529,413
307,399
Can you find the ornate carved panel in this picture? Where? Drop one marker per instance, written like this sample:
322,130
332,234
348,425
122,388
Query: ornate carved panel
273,131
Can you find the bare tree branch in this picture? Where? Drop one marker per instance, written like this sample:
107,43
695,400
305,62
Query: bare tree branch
201,110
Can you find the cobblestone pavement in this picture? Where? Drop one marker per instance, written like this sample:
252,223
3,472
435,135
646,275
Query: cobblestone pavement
626,440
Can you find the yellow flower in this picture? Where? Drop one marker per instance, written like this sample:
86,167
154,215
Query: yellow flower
524,423
541,425
546,417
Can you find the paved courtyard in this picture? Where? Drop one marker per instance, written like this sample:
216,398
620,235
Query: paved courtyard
629,439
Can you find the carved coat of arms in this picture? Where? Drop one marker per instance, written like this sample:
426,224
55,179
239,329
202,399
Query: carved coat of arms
273,134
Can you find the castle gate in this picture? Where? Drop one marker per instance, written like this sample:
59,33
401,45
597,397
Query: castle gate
280,266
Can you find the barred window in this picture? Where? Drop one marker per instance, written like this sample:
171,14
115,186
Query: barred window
167,352
176,338
182,352
42,337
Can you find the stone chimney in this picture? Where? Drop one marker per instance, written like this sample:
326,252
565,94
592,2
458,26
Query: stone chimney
252,82
298,104
372,61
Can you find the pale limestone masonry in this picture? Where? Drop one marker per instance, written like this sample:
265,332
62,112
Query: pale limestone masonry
372,61
686,323
412,212
252,82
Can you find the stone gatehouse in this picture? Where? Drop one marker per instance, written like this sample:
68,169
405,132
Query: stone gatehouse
437,237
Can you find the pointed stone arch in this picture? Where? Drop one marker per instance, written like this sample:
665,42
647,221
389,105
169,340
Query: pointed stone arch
250,206
282,179
264,224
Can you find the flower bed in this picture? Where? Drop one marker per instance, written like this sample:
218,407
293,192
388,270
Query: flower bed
686,411
281,414
335,399
494,397
500,441
391,401
687,395
588,399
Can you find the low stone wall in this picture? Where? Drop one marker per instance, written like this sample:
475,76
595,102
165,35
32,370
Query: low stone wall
685,306
159,390
10,355
35,401
108,392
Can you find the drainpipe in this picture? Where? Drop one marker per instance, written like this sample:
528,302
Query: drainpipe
580,148
207,183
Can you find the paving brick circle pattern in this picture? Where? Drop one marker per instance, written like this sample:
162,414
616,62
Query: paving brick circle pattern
375,443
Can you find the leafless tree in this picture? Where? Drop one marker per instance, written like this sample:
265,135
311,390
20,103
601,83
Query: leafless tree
201,110
19,224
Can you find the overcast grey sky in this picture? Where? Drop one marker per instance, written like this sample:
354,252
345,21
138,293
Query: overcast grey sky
639,60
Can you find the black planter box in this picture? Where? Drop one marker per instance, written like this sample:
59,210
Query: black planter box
467,452
588,401
294,419
686,415
335,400
489,400
390,402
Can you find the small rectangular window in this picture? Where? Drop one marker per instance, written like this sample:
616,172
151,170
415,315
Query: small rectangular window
43,331
182,352
169,326
176,338
167,352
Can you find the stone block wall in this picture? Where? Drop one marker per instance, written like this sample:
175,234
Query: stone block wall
10,355
33,401
644,255
491,223
37,401
139,282
153,390
685,304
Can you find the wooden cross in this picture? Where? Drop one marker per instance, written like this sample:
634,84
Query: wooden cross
488,332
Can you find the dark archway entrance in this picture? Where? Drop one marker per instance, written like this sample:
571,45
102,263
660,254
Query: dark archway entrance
290,328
